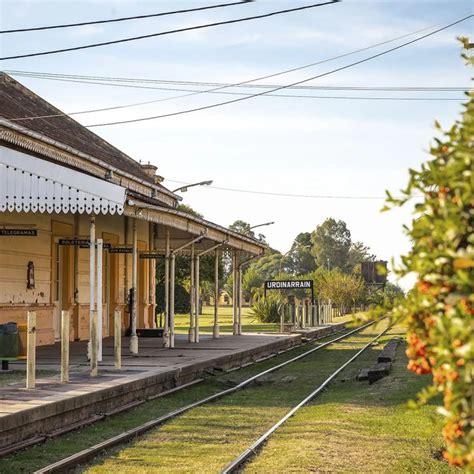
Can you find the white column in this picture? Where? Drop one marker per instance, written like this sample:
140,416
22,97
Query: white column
240,301
215,331
191,299
31,350
172,286
94,365
197,300
152,274
117,339
166,330
100,248
91,281
133,334
65,346
235,296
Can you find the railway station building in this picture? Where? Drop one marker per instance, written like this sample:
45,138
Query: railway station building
82,226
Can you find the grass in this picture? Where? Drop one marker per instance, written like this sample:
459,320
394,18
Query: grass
332,435
354,427
250,323
36,457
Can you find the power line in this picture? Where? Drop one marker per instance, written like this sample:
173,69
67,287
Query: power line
126,18
169,32
295,96
95,80
264,193
240,99
247,83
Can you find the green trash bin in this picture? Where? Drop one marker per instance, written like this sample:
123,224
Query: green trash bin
9,340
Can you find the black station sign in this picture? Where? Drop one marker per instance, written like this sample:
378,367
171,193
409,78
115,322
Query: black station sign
83,243
150,255
288,284
121,250
18,232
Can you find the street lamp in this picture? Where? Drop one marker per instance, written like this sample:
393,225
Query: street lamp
183,189
260,225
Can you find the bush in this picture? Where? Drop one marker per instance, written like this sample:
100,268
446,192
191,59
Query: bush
267,310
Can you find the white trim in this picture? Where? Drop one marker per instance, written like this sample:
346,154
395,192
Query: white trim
30,184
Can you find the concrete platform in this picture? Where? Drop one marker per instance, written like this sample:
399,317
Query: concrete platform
32,415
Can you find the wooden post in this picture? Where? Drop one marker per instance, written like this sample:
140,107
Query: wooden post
31,350
172,288
235,328
215,331
91,281
239,307
197,299
65,346
93,345
117,339
99,296
191,298
166,335
282,318
133,325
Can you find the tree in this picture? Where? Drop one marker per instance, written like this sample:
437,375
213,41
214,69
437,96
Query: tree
439,310
189,210
300,260
331,244
245,228
359,253
242,227
342,289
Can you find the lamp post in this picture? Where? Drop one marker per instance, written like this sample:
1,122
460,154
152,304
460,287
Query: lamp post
260,225
184,188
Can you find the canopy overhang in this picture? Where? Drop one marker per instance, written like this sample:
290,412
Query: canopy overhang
29,184
185,226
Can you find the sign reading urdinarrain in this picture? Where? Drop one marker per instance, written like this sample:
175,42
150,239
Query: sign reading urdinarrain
288,284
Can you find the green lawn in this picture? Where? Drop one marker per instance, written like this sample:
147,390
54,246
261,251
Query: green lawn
350,428
250,323
355,427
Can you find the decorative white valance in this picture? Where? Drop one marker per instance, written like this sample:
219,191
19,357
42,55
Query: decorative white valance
29,184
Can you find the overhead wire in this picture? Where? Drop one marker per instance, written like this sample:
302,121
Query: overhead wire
275,194
240,99
295,96
246,83
95,79
126,18
169,32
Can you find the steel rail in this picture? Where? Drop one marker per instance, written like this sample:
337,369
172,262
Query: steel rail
91,452
251,451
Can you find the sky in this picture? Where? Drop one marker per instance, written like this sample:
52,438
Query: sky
324,147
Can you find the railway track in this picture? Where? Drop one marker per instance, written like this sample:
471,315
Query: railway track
85,455
236,464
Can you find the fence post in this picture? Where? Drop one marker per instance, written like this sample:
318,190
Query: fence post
93,345
64,346
117,339
31,350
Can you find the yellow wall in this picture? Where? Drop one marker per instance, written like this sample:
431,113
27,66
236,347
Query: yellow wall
16,252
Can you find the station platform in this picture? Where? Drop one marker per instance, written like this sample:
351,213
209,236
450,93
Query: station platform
30,416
